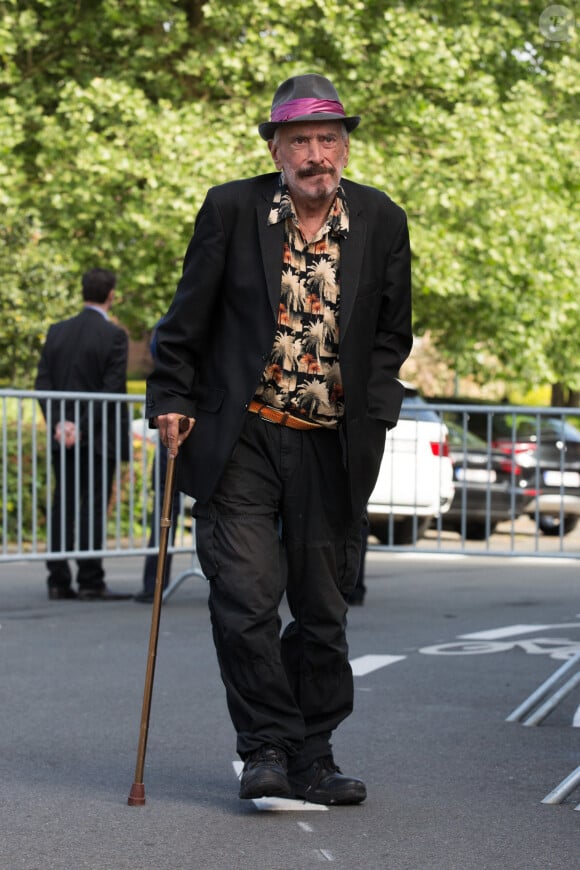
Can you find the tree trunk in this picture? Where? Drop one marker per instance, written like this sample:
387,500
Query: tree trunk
564,397
193,10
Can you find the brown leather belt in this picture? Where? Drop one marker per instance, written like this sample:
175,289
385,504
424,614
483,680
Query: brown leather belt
281,418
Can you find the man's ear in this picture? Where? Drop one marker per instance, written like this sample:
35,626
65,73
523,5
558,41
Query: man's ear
274,152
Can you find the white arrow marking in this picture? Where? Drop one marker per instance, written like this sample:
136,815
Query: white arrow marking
365,664
511,630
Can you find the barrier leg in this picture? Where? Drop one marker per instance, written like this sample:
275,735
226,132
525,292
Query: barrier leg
564,789
542,690
194,571
546,708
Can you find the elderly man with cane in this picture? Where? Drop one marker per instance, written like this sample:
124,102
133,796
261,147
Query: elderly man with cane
282,348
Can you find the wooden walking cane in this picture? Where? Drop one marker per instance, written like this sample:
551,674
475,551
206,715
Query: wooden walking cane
137,793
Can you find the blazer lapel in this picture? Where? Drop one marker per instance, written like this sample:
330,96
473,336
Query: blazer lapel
272,245
351,254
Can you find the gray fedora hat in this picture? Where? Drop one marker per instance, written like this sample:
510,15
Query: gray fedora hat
306,98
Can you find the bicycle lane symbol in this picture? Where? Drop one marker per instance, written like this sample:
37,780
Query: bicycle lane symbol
489,642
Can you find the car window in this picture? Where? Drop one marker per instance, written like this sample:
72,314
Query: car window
559,428
460,438
416,408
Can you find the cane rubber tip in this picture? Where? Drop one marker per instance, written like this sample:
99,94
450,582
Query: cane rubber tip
137,795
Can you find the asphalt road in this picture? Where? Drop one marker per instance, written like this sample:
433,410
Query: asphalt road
452,785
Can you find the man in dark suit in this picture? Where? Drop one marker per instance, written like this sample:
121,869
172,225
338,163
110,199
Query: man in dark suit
282,347
87,353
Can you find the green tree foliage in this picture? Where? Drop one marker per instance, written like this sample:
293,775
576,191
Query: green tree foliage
116,115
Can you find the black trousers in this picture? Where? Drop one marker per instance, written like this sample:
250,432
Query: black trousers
91,509
280,521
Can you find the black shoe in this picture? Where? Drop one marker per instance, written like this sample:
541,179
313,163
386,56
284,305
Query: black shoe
323,783
264,774
102,593
144,597
59,593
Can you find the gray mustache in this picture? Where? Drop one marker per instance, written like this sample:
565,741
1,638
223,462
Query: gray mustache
315,170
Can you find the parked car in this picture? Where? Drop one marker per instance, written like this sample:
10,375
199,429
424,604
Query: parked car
547,449
141,432
489,486
415,482
551,445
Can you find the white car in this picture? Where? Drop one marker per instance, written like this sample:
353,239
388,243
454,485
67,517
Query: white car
141,432
415,483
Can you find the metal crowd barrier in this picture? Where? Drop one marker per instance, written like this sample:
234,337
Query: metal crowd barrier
132,512
554,486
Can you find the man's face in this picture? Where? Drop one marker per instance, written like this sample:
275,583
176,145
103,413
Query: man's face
312,156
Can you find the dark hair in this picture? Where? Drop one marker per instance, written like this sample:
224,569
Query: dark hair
97,284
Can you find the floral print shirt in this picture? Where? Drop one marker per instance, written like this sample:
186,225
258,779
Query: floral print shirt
302,374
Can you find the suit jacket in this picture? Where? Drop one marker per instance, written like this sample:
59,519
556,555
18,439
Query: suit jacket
87,353
213,343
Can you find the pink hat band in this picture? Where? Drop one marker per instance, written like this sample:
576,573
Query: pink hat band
305,106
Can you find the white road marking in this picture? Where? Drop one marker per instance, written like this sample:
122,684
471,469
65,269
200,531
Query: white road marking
576,719
306,827
278,805
512,630
365,664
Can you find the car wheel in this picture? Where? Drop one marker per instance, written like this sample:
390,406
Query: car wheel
553,527
379,527
475,531
402,529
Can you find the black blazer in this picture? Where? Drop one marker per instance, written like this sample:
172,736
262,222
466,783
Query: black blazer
213,343
87,353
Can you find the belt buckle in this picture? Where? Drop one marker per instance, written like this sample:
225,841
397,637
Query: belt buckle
265,419
281,422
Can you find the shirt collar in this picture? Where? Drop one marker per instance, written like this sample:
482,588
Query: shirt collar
282,207
96,308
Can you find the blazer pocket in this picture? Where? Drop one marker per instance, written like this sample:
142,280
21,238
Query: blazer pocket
209,399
